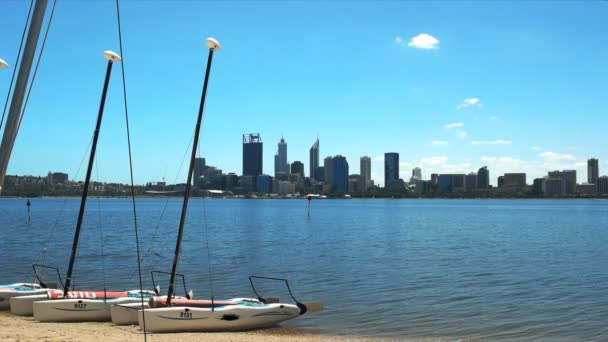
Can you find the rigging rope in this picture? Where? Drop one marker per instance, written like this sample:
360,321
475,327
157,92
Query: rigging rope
44,252
100,228
179,170
10,87
124,89
207,240
29,90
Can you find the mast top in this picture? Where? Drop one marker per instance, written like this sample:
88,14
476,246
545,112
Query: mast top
111,56
213,44
3,64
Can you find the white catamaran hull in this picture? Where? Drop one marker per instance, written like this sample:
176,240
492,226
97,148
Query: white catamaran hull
242,316
24,305
126,314
77,310
7,292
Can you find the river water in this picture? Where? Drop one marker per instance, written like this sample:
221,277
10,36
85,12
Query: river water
496,270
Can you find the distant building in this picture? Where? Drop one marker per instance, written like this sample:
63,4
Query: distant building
328,163
340,174
391,170
500,181
416,175
515,180
280,158
314,159
59,177
434,178
297,168
198,172
539,185
263,184
483,178
554,186
569,177
451,182
320,174
586,189
471,181
248,183
602,185
365,169
592,171
252,154
355,183
232,181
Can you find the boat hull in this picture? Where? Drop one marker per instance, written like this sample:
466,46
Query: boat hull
17,290
24,305
126,314
77,310
243,316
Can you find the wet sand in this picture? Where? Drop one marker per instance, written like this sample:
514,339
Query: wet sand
14,328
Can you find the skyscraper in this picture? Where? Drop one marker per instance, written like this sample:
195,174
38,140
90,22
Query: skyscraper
391,170
252,154
340,170
280,159
314,159
592,171
366,168
483,178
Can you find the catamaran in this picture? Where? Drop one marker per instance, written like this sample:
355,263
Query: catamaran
169,314
78,306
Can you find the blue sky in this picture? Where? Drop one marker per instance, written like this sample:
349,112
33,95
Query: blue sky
451,86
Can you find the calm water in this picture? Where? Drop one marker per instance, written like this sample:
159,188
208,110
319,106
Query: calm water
499,270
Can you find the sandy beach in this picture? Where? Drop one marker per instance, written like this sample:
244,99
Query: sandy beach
26,329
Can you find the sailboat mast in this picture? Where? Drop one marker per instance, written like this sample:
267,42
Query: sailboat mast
111,57
213,45
14,112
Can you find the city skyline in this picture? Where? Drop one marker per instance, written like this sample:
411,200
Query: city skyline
448,93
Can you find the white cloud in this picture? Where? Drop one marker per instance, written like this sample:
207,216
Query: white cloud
405,164
379,158
537,148
462,134
453,125
422,41
552,156
492,118
469,102
433,161
439,143
491,142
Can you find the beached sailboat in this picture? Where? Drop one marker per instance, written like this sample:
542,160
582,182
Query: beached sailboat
69,305
176,315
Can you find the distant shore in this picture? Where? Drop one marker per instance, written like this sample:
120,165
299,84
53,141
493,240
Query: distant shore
23,329
397,197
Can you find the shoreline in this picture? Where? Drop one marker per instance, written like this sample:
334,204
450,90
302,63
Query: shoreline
16,328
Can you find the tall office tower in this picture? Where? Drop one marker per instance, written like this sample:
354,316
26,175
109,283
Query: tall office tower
297,167
471,182
314,159
280,159
391,170
199,168
592,171
434,178
483,178
365,165
252,154
340,170
328,164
